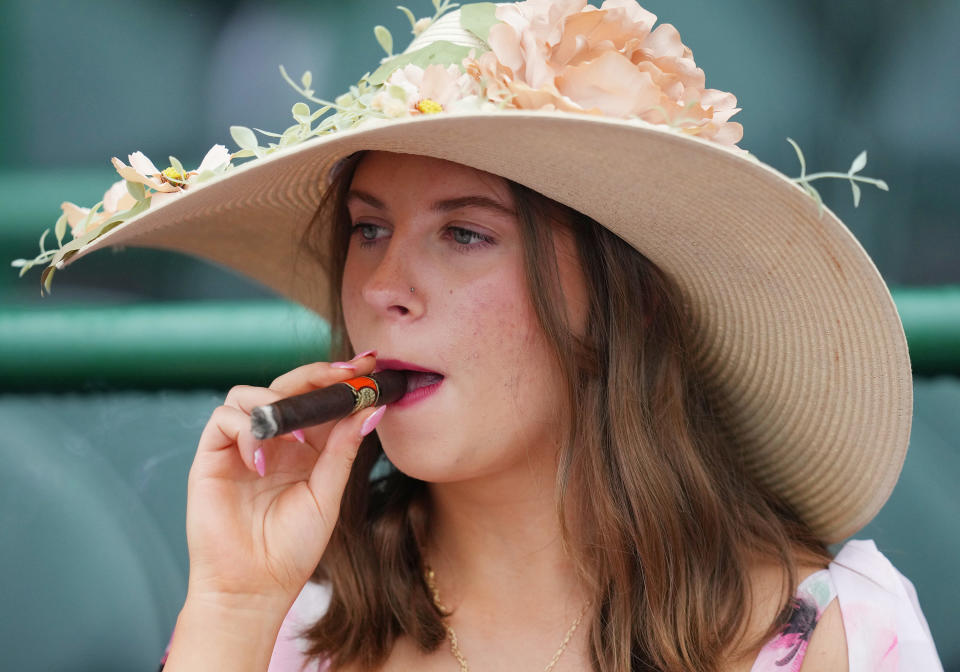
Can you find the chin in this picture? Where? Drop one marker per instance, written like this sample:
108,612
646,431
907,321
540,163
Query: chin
422,460
416,465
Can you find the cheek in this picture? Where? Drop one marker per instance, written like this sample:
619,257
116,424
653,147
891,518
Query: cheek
496,318
500,346
351,295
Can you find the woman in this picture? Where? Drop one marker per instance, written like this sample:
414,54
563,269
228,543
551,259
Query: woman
655,385
492,521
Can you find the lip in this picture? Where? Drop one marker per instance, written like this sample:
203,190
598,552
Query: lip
417,395
383,364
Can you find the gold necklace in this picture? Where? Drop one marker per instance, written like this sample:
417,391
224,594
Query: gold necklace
455,650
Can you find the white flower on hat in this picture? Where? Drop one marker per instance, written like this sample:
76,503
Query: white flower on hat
116,199
174,178
415,90
143,186
421,25
216,159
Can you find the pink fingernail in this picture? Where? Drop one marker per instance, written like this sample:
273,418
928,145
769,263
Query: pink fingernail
371,422
259,462
343,365
364,354
298,435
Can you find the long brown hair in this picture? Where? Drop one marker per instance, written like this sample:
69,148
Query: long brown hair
664,542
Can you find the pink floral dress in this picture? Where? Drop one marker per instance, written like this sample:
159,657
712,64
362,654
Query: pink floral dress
884,626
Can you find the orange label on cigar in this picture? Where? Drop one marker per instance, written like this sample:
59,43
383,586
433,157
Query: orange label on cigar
365,390
361,382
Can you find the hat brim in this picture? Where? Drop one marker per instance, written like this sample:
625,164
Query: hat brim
796,331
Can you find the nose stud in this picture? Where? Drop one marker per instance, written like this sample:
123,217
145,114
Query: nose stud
411,290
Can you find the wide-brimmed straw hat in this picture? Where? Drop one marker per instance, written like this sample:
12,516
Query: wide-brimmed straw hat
794,328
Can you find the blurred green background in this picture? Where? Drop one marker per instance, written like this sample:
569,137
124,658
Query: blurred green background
105,384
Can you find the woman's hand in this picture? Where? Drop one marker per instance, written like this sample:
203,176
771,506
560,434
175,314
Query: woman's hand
255,539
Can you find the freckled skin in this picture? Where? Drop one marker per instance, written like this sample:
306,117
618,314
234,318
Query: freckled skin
470,319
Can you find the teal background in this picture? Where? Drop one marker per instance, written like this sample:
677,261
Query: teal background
92,494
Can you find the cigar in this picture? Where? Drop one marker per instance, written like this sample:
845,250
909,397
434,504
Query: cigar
328,403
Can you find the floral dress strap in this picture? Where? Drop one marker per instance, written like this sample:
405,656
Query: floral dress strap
786,651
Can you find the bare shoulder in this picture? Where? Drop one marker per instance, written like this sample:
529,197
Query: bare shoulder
767,595
827,650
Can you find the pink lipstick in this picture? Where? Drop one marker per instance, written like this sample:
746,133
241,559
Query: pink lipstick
421,381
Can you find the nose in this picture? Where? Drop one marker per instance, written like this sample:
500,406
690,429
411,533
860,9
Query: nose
390,287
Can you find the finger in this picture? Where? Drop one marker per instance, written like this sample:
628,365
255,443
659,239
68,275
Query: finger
229,429
321,374
246,398
329,477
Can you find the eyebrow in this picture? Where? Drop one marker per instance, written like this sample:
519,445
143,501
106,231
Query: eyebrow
440,207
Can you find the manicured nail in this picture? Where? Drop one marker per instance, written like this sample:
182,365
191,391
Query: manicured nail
371,422
364,354
298,435
343,365
259,462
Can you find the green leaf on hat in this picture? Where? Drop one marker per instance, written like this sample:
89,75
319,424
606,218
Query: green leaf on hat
109,226
244,137
859,163
73,246
440,52
478,18
307,79
410,17
384,38
88,220
815,195
46,278
289,136
803,163
177,166
61,228
301,112
136,190
137,208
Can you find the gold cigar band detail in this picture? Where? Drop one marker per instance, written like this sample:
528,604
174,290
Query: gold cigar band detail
365,390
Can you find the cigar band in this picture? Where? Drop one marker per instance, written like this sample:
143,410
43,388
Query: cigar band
366,392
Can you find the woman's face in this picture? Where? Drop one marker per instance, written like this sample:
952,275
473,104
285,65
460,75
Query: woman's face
448,232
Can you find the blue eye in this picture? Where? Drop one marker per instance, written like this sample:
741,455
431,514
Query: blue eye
467,240
368,233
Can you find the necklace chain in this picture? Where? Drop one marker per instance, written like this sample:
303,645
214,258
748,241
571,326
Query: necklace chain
455,649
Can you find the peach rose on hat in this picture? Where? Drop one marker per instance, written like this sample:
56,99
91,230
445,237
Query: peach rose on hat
569,56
